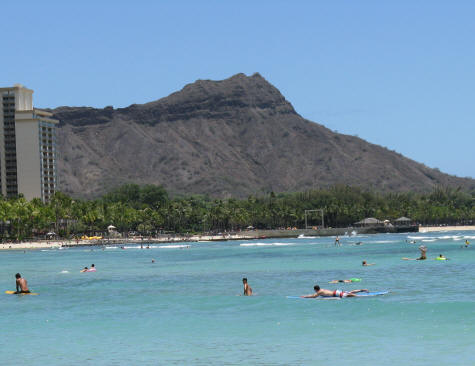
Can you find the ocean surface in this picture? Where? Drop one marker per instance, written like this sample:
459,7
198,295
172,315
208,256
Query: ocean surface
185,308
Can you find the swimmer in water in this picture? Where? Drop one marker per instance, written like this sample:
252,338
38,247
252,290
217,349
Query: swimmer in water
332,293
441,257
247,288
85,269
92,269
153,260
467,243
365,264
21,285
346,281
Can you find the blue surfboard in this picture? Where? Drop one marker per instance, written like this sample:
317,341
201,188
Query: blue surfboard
375,293
359,294
314,298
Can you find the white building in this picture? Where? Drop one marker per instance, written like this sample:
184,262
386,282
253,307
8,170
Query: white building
27,146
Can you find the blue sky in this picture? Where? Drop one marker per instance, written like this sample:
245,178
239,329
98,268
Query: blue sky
399,74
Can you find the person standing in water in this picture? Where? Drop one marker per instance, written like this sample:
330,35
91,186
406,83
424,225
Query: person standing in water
337,241
21,285
247,288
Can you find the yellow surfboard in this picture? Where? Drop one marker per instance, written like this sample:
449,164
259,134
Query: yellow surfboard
13,293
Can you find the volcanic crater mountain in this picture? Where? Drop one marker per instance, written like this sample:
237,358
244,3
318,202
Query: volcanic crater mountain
233,137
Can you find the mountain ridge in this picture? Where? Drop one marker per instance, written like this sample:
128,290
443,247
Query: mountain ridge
232,137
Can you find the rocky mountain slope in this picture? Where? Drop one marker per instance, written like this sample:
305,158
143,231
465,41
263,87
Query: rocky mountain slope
225,138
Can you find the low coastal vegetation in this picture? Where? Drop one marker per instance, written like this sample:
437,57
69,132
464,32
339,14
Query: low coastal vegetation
149,210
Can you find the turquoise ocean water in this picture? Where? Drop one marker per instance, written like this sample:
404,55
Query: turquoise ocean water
184,309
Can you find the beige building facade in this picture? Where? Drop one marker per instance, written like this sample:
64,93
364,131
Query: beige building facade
27,146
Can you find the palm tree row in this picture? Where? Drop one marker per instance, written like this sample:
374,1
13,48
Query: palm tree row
149,210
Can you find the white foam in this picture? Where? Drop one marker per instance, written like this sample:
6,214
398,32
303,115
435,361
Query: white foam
173,246
265,244
443,237
428,240
64,272
385,241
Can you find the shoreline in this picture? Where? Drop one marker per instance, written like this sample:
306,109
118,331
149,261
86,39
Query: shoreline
244,235
431,229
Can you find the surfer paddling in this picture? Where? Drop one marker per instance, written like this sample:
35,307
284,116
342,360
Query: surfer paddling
332,293
21,285
247,288
346,281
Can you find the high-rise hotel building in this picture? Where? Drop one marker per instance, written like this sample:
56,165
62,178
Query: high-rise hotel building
27,146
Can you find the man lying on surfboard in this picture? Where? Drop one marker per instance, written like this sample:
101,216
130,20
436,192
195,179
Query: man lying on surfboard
332,293
21,285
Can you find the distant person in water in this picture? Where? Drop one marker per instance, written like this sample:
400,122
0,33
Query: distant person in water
423,256
21,285
365,264
467,243
332,293
423,250
92,269
153,260
85,269
247,288
337,241
346,281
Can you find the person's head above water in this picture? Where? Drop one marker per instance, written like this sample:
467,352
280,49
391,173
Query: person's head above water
244,280
316,288
92,265
18,275
364,263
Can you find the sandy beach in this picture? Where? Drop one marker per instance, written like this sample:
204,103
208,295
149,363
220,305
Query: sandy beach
244,235
430,229
48,244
